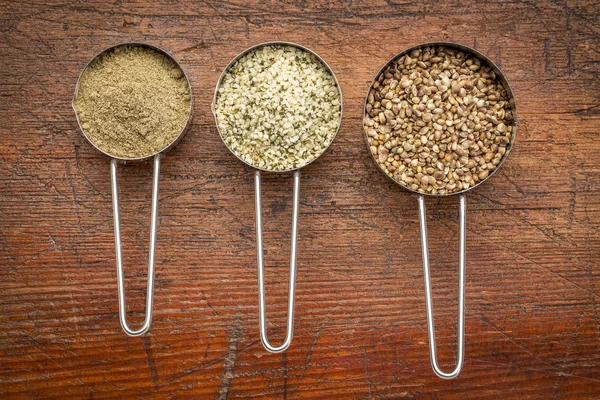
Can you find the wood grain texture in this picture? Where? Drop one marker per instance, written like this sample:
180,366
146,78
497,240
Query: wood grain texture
533,282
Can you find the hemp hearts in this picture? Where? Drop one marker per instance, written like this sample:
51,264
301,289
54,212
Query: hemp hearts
438,120
278,107
132,101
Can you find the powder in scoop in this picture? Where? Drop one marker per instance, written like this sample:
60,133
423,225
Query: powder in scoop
132,101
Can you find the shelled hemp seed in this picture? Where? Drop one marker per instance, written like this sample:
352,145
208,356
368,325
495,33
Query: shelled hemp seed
132,101
438,120
278,107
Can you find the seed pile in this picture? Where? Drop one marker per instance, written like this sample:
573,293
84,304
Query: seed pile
278,107
132,101
438,120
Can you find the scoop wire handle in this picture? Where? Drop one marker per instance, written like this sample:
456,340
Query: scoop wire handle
153,223
461,289
261,280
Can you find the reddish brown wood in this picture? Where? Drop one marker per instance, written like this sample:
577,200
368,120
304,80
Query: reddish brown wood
533,283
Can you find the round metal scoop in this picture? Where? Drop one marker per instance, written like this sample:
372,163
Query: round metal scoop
292,284
462,207
115,197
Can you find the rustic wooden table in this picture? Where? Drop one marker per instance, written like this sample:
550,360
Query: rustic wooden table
533,283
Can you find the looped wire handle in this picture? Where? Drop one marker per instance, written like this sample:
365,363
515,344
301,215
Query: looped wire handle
261,280
153,223
461,290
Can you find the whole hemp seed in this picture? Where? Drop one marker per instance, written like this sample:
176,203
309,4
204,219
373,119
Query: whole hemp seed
438,120
278,107
132,101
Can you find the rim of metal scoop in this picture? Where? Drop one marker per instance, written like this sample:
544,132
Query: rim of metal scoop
235,60
183,131
501,77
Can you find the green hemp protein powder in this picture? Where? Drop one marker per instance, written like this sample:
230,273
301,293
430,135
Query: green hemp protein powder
132,101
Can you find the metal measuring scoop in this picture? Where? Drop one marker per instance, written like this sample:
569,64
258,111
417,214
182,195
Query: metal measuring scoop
296,205
462,213
115,198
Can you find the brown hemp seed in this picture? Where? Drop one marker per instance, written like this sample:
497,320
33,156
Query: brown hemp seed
438,120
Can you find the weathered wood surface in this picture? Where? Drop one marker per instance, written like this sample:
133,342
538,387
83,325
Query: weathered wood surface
533,282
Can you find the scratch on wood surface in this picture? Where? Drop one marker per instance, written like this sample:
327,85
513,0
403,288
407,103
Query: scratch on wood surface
285,375
525,368
312,346
91,394
521,346
367,374
230,359
147,341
